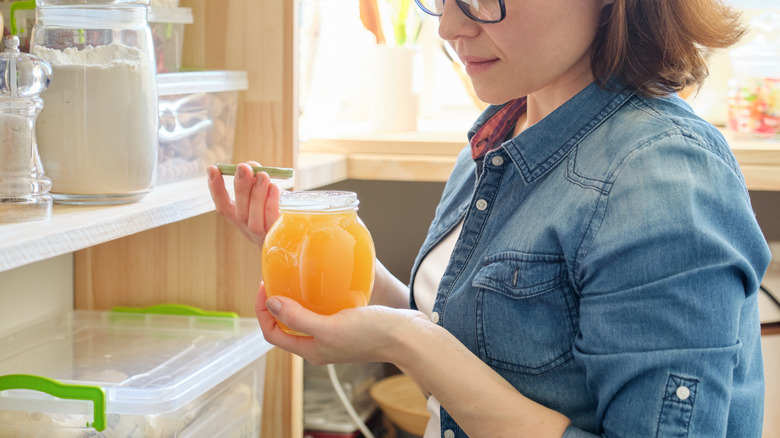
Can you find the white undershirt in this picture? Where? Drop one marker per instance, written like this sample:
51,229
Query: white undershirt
426,283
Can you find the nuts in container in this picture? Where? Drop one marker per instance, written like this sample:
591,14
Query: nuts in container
197,121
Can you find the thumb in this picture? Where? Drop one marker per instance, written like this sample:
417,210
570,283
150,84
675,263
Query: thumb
292,314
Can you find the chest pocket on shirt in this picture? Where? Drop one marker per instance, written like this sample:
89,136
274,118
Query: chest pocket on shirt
525,312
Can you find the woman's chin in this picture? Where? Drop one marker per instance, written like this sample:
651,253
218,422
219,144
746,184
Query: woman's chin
492,96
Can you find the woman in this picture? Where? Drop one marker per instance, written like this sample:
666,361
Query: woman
593,264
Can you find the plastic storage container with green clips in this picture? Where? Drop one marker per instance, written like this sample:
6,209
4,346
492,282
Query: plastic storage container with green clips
167,25
131,373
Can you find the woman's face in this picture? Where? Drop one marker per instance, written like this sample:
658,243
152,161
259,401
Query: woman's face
541,46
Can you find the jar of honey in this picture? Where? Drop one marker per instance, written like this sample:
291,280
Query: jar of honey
319,252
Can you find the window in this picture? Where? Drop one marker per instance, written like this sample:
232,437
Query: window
337,80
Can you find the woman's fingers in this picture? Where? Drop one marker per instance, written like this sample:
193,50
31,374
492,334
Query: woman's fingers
256,204
219,194
243,182
287,311
263,205
272,206
301,345
266,319
352,335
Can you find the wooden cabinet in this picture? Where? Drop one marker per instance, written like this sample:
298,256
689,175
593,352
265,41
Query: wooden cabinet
171,246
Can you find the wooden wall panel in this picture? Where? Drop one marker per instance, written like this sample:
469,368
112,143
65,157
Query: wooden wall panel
259,37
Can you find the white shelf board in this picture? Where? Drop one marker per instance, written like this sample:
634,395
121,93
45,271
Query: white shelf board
75,227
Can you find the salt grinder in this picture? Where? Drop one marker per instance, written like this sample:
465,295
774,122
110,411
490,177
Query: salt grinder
24,189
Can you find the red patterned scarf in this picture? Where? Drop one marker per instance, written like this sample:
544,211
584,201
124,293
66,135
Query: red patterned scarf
495,130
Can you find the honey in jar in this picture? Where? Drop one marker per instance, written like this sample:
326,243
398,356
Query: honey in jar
319,252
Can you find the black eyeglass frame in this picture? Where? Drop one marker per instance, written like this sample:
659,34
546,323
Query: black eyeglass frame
464,8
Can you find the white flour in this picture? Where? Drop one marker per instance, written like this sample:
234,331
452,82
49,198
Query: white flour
97,131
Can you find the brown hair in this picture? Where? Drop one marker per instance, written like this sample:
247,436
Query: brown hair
660,46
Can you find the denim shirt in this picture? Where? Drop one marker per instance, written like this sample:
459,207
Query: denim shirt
608,268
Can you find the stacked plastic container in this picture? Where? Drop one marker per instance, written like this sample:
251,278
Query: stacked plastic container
119,374
197,108
167,25
197,121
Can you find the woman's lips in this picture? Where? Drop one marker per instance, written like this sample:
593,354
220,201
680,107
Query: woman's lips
478,65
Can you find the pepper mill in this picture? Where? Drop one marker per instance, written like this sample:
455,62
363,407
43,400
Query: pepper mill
24,189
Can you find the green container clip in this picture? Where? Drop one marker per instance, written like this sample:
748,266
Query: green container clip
54,388
26,4
175,309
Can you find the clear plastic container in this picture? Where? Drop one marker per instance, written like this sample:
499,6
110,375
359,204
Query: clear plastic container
97,133
167,25
754,91
21,22
161,376
197,121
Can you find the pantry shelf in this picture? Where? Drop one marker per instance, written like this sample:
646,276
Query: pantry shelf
75,227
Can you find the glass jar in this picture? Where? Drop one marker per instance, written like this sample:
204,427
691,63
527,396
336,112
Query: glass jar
319,252
97,133
24,189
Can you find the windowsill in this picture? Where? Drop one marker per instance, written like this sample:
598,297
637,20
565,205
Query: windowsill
429,153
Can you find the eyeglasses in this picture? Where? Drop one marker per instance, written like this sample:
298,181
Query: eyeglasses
481,11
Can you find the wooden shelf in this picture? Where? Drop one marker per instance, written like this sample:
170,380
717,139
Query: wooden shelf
75,227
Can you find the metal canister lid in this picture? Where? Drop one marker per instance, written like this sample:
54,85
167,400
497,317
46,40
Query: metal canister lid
318,201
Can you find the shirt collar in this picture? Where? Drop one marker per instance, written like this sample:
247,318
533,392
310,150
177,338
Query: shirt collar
496,128
542,145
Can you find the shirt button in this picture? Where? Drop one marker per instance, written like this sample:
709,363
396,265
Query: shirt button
498,160
449,434
481,205
683,392
435,317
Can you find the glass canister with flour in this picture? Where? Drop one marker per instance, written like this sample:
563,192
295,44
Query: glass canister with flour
97,133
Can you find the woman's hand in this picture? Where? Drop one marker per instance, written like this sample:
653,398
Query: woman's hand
256,206
363,334
478,398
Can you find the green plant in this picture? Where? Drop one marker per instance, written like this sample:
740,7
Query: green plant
402,20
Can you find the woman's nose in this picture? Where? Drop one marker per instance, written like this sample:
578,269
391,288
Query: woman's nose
453,23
